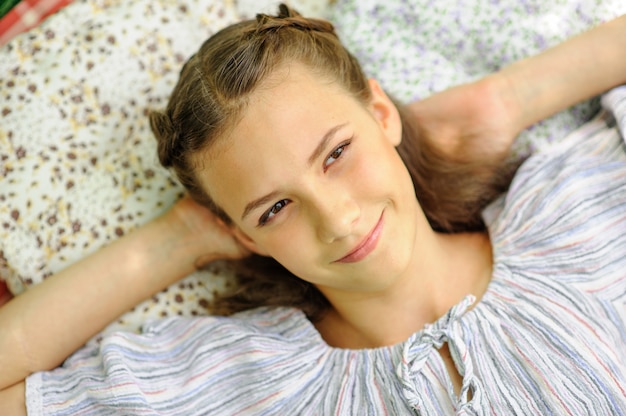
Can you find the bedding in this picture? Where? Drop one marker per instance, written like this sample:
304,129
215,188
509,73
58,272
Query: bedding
77,158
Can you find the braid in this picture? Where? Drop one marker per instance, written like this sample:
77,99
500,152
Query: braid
285,11
167,137
288,17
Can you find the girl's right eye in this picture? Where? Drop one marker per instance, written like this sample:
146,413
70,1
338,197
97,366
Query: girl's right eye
270,213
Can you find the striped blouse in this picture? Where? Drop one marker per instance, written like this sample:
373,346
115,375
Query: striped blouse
547,337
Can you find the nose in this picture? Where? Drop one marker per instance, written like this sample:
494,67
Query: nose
337,213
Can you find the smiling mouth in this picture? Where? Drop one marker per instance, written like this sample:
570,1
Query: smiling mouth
366,246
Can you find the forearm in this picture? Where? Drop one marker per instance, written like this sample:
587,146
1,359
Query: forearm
578,69
47,323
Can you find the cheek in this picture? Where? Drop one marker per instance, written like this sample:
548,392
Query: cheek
295,253
290,244
381,169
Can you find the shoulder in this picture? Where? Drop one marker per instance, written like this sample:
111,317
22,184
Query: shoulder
569,198
189,364
242,330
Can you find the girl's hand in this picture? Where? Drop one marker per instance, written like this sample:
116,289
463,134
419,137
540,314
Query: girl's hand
481,119
205,234
470,122
80,300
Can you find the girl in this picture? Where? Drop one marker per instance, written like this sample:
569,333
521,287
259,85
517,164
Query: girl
411,304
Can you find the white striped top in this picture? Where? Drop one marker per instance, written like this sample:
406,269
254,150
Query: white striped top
548,336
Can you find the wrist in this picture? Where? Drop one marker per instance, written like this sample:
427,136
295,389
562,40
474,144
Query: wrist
174,243
186,239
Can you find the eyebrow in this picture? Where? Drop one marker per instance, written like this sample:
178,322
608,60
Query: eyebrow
324,142
319,149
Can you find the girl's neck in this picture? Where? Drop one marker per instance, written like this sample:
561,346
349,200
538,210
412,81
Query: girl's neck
458,265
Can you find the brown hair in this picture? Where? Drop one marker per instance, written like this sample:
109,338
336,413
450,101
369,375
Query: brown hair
212,93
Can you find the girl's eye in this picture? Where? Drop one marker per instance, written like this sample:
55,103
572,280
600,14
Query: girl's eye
336,154
275,209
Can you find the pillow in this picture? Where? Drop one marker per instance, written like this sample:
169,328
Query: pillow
78,163
418,47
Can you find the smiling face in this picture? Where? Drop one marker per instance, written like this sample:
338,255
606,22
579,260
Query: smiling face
311,177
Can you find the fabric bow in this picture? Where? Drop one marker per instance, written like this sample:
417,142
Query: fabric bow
419,348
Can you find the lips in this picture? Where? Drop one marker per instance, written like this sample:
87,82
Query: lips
366,246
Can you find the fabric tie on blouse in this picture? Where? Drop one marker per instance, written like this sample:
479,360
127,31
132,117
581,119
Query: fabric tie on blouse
421,346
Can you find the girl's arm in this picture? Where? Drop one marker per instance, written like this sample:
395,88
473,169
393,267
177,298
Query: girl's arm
580,68
483,118
43,326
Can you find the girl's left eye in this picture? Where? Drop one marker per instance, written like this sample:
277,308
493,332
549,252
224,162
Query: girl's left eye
336,154
274,210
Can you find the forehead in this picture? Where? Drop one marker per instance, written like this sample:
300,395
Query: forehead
281,125
285,95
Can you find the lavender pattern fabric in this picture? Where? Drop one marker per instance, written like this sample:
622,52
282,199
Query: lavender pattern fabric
419,47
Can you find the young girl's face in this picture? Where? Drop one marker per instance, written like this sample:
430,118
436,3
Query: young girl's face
311,177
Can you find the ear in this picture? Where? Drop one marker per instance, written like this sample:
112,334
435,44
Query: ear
247,242
386,113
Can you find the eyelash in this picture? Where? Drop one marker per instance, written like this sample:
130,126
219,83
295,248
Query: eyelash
278,206
341,149
272,211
